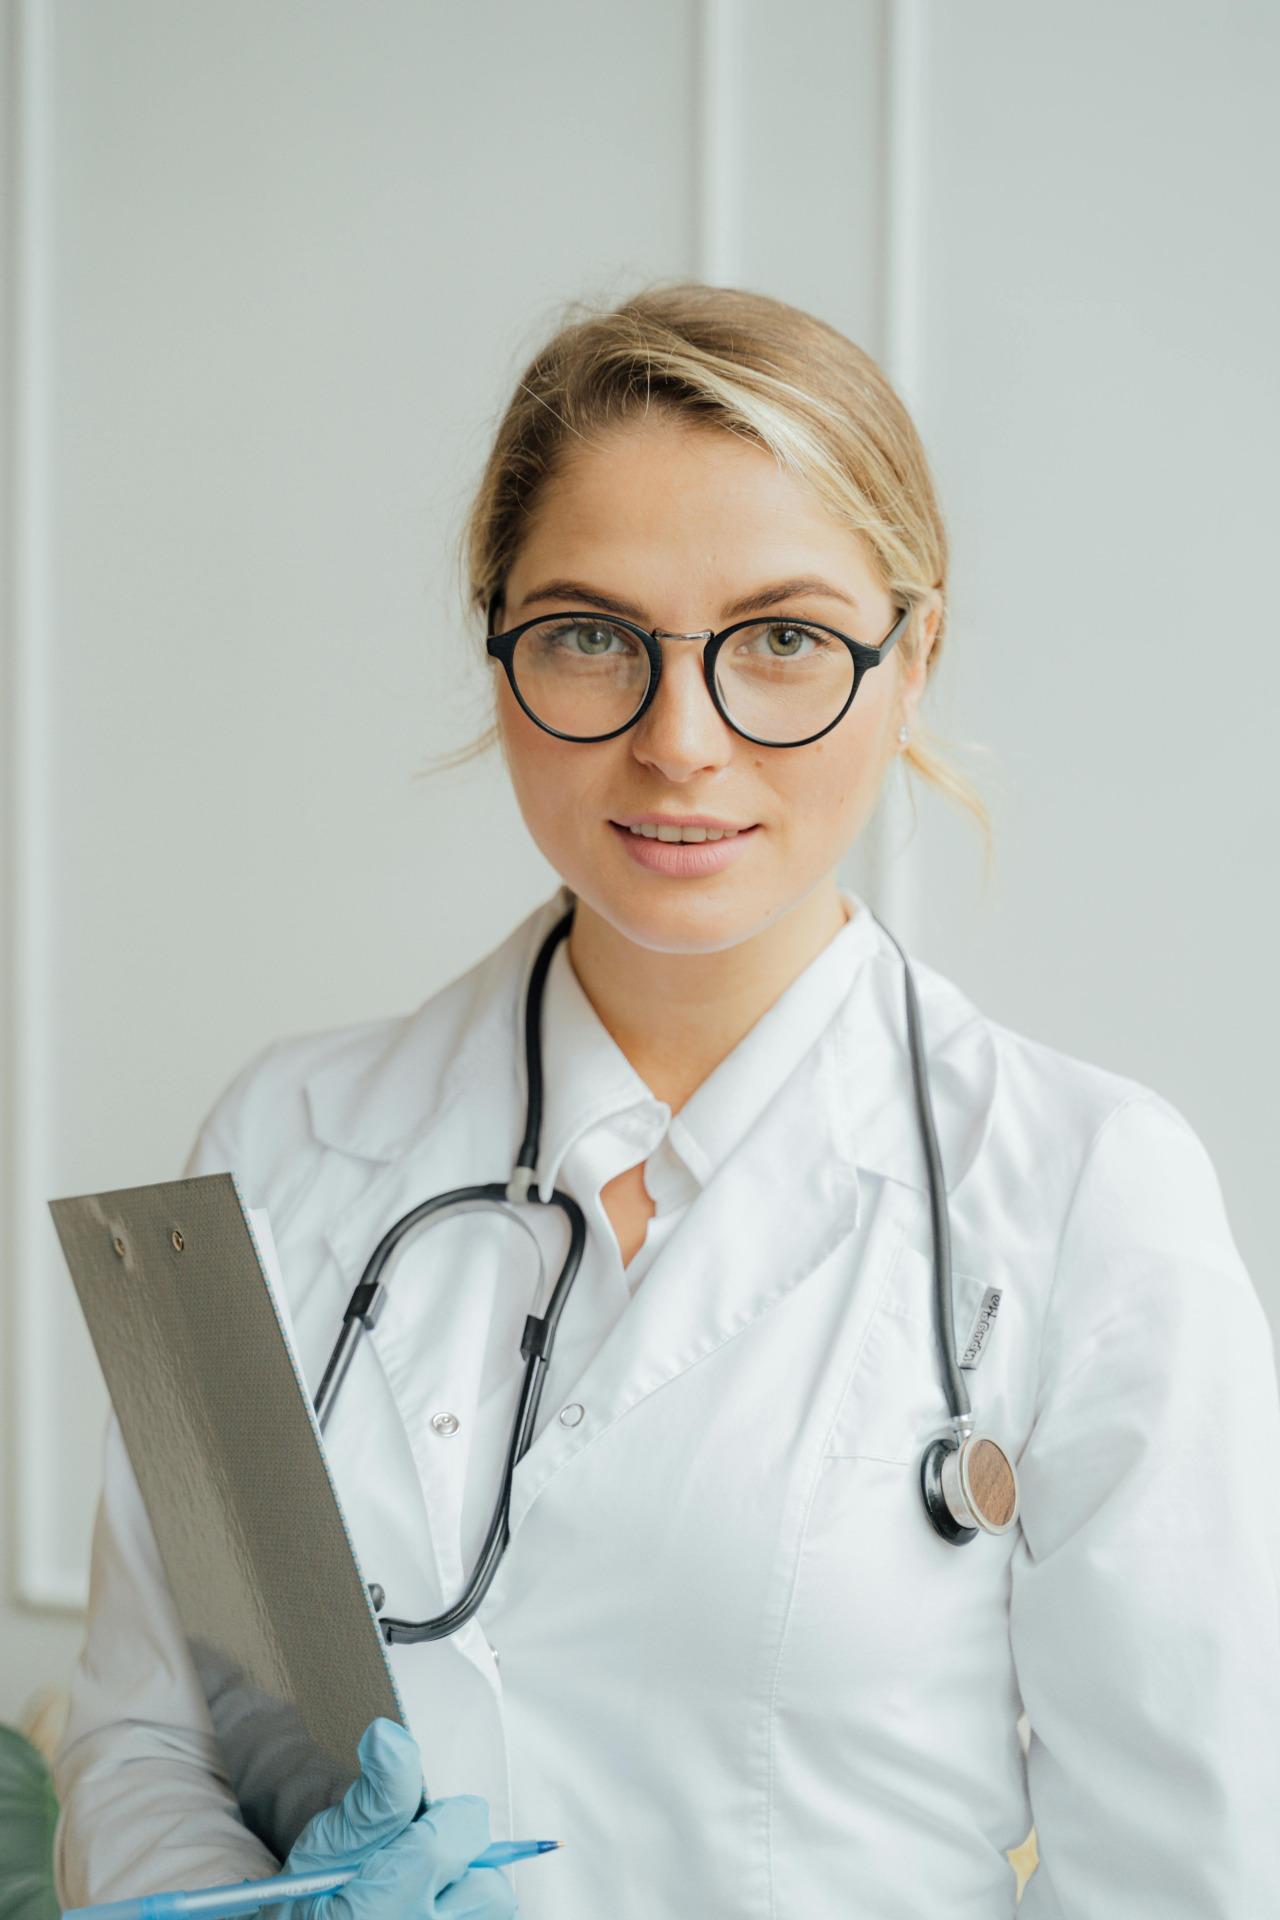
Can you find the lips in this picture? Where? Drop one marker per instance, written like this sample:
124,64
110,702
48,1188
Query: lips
684,859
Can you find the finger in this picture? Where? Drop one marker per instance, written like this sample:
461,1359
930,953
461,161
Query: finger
458,1827
483,1893
389,1790
400,1879
397,1879
405,1875
432,1853
380,1803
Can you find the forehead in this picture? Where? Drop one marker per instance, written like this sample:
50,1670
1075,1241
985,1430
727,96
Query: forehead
659,484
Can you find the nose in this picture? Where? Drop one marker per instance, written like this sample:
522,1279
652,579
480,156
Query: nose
682,730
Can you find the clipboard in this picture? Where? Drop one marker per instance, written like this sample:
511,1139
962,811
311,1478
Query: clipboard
224,1442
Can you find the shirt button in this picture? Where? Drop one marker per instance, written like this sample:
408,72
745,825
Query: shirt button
445,1422
570,1415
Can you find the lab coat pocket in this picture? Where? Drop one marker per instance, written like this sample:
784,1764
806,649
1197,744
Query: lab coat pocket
894,1401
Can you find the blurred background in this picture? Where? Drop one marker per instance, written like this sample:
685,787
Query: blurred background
270,269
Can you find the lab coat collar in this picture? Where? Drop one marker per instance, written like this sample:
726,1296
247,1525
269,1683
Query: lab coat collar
380,1110
588,1077
845,1109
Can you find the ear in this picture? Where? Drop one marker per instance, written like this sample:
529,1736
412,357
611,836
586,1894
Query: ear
930,619
915,677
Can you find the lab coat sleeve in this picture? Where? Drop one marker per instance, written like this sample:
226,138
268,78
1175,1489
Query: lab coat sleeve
144,1801
1145,1586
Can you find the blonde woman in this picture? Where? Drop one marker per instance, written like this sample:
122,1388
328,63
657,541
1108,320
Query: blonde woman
713,1627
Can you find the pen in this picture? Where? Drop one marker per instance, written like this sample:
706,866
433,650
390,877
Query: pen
242,1896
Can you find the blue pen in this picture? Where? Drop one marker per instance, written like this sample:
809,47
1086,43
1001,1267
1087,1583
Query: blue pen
242,1896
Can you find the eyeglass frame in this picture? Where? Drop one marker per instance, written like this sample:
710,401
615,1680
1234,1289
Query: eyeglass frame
502,646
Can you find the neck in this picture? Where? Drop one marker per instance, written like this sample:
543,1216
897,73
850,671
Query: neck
677,1015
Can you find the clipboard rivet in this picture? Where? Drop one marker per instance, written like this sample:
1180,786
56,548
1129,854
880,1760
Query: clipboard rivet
118,1244
178,1242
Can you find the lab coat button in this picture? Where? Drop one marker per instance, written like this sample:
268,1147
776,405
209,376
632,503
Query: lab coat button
570,1415
445,1422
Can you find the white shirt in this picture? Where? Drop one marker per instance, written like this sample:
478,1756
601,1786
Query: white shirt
726,1658
600,1118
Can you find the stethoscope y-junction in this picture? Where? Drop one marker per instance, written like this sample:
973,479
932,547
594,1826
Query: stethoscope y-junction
968,1481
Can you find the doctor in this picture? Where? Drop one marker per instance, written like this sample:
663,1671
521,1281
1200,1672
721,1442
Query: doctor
726,1656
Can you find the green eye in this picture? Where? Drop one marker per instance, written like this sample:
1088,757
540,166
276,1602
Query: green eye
782,640
586,639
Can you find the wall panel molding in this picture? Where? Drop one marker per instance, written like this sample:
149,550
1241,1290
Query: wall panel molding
32,1396
901,356
717,103
737,48
906,116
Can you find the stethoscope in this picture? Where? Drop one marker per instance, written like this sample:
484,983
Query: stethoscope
968,1481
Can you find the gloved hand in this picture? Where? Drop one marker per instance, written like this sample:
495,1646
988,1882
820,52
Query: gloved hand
410,1869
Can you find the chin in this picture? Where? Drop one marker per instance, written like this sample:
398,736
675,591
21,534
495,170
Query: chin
684,916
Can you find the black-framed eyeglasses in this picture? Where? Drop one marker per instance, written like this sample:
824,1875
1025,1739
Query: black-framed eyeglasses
778,682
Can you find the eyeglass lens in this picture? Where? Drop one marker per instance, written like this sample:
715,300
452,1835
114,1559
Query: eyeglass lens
779,680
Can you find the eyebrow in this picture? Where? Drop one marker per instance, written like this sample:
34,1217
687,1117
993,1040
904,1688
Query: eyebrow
758,602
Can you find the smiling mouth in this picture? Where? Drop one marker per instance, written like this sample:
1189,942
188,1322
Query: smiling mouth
691,835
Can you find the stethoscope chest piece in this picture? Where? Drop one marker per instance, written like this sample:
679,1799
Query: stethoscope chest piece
969,1488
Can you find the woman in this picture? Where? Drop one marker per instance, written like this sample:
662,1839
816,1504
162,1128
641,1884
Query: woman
728,1658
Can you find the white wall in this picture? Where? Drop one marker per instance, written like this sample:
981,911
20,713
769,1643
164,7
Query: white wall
278,264
1098,383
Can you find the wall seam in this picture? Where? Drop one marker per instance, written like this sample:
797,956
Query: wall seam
717,100
29,1241
902,226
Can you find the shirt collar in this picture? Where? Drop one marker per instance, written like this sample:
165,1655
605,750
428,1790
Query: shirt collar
588,1080
382,1086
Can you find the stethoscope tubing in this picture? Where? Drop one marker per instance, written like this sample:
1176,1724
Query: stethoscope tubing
538,1341
944,1310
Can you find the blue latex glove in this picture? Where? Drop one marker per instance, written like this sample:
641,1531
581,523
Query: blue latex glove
410,1869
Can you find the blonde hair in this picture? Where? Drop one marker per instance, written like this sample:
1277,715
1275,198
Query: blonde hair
751,365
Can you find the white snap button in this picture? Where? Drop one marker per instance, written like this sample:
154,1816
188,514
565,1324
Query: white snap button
570,1415
445,1422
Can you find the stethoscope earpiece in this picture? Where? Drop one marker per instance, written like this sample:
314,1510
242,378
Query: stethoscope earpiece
969,1487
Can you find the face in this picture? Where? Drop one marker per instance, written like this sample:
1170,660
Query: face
677,524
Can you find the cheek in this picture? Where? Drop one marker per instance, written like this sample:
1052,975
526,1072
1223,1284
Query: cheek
552,779
837,778
526,749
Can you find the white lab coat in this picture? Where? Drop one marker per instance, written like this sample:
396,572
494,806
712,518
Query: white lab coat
726,1658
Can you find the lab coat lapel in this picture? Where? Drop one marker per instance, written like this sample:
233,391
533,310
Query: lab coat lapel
351,1240
790,1194
769,1215
434,1112
779,1207
441,1374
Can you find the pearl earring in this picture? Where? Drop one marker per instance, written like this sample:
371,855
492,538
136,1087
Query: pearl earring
904,733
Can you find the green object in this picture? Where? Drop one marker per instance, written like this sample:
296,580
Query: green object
28,1815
